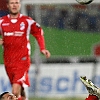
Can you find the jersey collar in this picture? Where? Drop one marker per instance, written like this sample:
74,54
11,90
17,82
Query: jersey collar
19,15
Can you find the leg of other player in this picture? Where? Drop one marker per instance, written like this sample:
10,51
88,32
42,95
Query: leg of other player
94,92
23,94
92,97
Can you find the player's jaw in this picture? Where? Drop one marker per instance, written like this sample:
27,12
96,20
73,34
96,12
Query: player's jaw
13,12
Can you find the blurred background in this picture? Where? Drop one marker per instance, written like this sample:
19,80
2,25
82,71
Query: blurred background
72,35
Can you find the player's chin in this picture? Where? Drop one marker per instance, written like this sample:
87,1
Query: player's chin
14,12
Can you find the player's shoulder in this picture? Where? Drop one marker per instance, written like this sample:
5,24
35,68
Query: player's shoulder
3,17
27,17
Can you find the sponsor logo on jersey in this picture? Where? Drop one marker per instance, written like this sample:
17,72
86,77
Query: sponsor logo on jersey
22,26
16,33
5,24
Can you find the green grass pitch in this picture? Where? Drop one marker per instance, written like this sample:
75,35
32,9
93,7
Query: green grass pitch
66,42
57,98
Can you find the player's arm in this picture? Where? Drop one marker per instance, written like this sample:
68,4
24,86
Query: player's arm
1,41
38,33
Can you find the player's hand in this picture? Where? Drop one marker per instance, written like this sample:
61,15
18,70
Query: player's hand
1,41
46,53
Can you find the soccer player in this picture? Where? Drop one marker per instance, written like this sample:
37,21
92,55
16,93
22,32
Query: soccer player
94,91
15,29
8,96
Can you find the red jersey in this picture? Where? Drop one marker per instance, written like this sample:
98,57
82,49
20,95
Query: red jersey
15,34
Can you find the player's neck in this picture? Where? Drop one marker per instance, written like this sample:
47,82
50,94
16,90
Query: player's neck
14,16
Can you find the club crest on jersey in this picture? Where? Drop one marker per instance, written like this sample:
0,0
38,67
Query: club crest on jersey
22,26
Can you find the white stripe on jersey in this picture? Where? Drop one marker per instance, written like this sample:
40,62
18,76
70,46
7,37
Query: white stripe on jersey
22,80
30,22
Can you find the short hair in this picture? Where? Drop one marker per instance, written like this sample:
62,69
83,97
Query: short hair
1,95
7,1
